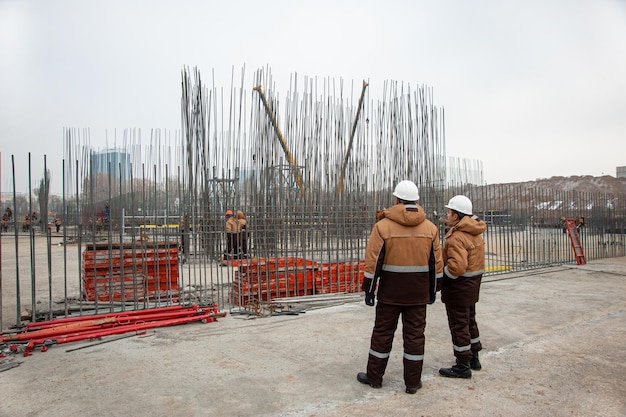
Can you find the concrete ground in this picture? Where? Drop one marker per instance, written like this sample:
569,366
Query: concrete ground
554,345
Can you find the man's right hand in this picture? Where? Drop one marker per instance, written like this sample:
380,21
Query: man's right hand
369,299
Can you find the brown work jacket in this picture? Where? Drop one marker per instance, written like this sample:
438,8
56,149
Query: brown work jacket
404,252
241,221
464,258
231,225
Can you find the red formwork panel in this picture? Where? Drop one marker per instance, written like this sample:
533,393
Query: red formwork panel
341,277
130,272
277,286
264,279
273,264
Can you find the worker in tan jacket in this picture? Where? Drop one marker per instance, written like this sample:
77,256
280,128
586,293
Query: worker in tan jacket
231,236
464,258
242,229
404,251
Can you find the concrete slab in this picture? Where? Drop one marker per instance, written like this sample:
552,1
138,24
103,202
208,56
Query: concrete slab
554,345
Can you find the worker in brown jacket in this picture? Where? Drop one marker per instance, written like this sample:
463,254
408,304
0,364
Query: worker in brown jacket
404,251
242,229
231,235
464,258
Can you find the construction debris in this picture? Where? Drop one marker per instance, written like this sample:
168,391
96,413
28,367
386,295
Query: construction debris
8,363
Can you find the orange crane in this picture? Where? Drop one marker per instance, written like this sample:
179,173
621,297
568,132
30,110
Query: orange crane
294,169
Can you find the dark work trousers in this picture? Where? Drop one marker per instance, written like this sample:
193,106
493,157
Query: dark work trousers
243,243
464,331
413,325
232,245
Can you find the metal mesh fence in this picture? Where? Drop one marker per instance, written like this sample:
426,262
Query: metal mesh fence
79,267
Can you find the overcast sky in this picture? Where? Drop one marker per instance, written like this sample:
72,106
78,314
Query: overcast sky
532,88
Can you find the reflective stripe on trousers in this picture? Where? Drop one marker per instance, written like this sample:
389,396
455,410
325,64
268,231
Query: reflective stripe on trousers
413,324
464,331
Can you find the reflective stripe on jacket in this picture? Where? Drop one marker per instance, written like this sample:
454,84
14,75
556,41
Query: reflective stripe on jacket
405,253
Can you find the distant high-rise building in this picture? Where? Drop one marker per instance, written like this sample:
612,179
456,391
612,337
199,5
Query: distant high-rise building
621,172
115,161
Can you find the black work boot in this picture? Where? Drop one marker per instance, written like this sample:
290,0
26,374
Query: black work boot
459,370
413,390
475,363
363,379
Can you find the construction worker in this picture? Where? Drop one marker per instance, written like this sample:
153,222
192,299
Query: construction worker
184,236
231,235
26,223
242,228
405,253
464,258
57,223
580,222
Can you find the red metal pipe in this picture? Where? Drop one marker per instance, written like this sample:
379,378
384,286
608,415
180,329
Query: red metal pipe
160,316
43,324
207,316
53,331
108,322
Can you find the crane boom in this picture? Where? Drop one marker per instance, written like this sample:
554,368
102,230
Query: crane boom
294,169
347,155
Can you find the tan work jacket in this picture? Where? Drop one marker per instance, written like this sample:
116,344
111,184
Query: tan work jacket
464,257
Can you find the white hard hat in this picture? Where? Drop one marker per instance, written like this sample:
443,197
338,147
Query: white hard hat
407,191
461,204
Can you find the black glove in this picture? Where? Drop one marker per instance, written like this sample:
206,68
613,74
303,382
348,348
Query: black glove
369,299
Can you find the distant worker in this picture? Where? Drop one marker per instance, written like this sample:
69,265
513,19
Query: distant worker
5,223
580,222
26,223
9,213
143,236
404,251
242,228
464,258
57,223
231,236
99,224
184,235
